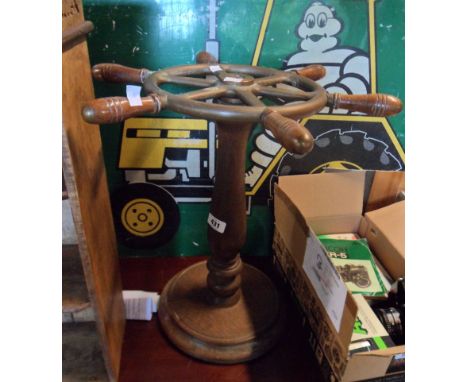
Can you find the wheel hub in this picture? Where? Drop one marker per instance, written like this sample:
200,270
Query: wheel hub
142,217
236,79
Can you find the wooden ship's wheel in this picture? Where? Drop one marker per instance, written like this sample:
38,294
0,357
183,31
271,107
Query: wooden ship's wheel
222,310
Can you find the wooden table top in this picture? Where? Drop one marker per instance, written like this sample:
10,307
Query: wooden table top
148,355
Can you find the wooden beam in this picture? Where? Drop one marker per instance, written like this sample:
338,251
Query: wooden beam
86,183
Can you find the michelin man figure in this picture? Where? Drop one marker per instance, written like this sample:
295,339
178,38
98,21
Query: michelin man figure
347,72
347,68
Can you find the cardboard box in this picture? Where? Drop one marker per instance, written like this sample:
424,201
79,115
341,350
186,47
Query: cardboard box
327,203
385,231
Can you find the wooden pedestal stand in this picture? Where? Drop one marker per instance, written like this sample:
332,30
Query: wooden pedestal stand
221,311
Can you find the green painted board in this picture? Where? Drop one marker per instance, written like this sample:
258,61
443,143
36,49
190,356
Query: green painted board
360,42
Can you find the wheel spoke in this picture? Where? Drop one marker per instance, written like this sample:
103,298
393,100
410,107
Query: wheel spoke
288,93
248,97
207,93
292,89
272,80
190,81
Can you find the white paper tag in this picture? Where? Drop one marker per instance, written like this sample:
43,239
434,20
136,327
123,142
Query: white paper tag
215,68
232,79
133,95
216,224
325,279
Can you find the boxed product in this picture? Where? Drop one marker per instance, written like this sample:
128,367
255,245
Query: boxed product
383,274
368,331
360,202
354,262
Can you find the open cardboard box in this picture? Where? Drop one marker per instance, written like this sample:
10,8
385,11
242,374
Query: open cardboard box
364,202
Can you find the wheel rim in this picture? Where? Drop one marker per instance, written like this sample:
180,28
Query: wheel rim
338,165
305,102
142,217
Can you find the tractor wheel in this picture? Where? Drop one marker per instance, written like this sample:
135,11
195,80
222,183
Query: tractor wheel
346,150
145,215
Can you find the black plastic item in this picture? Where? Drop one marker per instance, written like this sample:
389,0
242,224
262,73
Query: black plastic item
392,319
392,313
396,296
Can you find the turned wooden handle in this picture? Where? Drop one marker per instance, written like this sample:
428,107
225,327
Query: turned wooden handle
314,72
118,109
119,74
204,57
76,33
294,137
379,105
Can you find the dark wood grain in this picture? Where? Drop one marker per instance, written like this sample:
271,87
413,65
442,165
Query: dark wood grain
225,264
147,355
205,58
293,136
223,311
379,105
314,72
119,74
117,109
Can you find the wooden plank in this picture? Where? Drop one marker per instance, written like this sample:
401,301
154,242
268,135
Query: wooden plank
85,179
385,188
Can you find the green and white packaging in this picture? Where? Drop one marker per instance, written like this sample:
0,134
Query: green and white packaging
355,264
368,333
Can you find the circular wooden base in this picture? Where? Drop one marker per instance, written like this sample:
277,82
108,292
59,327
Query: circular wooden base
217,334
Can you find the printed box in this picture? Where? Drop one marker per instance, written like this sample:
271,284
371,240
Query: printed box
363,202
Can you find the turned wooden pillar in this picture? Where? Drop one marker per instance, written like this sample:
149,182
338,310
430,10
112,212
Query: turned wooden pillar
227,224
222,310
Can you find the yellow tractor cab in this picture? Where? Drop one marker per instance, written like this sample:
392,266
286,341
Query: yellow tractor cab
165,161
